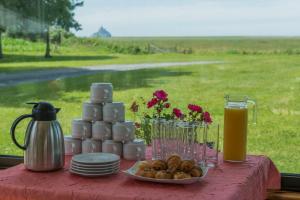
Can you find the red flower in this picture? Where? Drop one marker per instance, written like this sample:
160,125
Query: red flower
195,108
167,105
207,117
134,107
177,112
161,95
152,102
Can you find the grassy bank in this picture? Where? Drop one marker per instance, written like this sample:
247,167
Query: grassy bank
73,52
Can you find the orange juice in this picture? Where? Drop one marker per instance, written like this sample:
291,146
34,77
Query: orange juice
235,133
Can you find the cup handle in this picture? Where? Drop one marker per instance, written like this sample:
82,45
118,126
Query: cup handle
84,131
93,148
254,110
128,133
138,153
106,92
95,112
73,148
107,133
116,113
115,149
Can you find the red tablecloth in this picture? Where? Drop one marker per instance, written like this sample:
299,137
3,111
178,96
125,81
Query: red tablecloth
237,181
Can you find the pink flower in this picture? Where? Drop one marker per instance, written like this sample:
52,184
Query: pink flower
161,95
195,108
177,112
207,117
152,102
167,105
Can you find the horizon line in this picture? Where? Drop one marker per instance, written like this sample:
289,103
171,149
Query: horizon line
190,36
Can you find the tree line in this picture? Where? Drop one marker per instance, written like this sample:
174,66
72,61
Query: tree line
32,19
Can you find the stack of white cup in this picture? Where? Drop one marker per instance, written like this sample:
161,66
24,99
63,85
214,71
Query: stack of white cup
103,127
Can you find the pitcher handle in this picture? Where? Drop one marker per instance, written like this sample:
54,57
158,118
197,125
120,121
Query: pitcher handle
13,128
254,110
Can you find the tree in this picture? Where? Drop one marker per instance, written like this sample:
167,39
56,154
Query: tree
60,14
2,25
33,18
1,53
16,18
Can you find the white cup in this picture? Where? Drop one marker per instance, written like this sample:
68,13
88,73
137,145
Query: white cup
101,130
91,111
114,112
72,145
123,131
81,129
101,92
91,146
134,150
110,146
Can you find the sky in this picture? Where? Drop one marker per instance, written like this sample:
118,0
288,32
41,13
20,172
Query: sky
190,17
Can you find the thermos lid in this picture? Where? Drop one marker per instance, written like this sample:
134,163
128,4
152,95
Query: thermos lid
44,111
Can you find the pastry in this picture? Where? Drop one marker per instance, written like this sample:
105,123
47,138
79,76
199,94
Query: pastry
146,173
173,162
181,175
159,165
145,165
187,165
196,172
163,174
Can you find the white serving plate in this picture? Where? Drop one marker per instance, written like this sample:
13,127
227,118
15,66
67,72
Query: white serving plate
96,158
132,171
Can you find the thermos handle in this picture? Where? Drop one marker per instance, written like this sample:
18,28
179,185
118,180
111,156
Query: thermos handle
12,131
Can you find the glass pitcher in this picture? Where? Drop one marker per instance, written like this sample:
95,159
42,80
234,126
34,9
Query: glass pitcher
235,127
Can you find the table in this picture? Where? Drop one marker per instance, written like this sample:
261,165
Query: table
235,181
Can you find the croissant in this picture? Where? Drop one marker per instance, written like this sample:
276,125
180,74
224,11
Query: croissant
173,162
159,165
187,165
163,174
146,173
196,172
144,165
181,175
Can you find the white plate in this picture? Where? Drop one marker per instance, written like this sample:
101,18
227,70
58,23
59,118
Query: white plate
91,175
96,158
131,172
99,172
95,166
95,170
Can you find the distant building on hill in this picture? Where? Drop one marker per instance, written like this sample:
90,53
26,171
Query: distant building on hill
102,32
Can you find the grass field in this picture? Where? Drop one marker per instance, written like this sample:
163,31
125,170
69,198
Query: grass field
268,72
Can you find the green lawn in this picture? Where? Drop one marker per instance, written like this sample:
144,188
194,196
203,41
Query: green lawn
273,80
266,69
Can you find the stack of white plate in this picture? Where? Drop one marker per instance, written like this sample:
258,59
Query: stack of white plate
95,164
